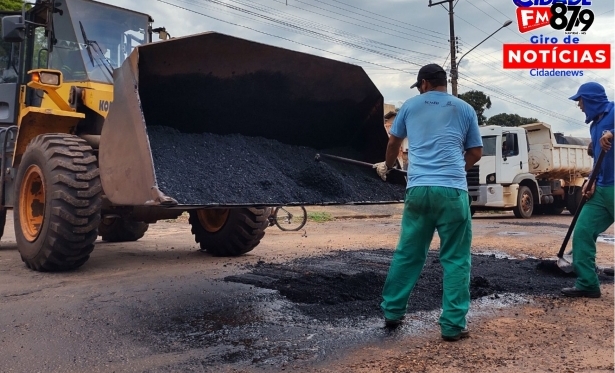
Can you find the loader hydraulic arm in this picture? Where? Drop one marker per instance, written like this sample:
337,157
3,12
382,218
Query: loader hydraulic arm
49,81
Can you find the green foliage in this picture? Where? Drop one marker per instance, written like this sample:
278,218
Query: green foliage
11,4
479,101
319,217
509,120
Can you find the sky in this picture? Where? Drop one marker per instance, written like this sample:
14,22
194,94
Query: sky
392,39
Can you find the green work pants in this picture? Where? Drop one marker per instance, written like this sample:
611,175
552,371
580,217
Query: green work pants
595,217
425,210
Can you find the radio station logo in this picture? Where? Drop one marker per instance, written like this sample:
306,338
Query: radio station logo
547,55
571,16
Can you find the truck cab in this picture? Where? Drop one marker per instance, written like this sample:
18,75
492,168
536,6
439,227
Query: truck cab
528,170
503,165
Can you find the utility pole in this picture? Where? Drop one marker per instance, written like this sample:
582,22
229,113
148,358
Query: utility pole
453,43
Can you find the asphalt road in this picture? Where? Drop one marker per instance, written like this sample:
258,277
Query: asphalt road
160,305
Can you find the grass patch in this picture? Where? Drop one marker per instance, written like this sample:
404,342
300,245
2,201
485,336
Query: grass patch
183,218
319,216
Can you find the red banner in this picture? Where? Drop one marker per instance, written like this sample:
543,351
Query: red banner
557,56
529,19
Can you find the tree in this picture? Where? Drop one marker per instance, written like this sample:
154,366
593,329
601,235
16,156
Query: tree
509,120
11,4
479,101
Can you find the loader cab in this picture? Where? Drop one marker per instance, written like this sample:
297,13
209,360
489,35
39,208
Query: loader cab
84,39
9,58
92,39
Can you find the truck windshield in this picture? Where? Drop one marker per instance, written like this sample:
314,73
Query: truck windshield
489,145
112,32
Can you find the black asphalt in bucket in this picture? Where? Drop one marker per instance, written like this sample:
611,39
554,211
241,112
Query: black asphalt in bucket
211,169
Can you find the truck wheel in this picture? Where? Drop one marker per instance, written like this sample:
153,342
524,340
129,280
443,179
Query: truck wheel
57,204
573,199
229,232
121,230
525,203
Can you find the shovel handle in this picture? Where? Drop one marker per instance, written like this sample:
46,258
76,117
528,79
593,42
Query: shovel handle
590,183
352,161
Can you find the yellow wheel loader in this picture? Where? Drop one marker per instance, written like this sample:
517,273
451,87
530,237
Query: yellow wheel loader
84,90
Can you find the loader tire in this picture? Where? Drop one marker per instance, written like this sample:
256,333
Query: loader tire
121,230
2,222
229,232
57,204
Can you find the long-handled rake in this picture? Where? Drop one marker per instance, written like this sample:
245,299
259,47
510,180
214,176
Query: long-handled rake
564,262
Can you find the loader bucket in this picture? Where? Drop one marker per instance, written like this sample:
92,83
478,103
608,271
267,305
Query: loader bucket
214,120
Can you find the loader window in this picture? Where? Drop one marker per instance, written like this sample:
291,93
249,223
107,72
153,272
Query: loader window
8,54
112,32
66,54
40,56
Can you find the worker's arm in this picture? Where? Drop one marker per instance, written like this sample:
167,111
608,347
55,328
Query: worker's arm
392,152
393,148
472,156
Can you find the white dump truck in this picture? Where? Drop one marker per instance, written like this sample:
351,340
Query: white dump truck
529,170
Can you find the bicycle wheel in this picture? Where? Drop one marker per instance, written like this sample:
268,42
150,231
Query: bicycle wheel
290,218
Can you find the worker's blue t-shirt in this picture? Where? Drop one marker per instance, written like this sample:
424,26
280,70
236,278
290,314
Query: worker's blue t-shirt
439,128
606,177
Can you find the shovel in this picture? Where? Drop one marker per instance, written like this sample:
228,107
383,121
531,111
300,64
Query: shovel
565,262
396,176
318,157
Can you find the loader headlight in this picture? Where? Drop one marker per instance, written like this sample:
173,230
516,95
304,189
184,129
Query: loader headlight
46,77
50,78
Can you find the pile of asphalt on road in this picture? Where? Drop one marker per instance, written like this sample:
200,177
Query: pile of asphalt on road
348,284
210,169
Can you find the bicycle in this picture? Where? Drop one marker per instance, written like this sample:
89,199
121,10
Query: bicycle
288,218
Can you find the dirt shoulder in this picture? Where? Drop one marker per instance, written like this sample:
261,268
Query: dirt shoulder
551,335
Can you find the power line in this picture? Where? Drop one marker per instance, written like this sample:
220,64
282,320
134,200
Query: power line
281,37
523,103
415,29
562,122
326,35
496,9
347,33
380,27
327,32
319,35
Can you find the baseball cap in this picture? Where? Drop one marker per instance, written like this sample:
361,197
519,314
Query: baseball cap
429,72
588,89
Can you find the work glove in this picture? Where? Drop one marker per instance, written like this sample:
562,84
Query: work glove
382,170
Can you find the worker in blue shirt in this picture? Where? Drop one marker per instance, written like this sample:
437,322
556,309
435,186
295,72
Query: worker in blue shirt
443,143
597,213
